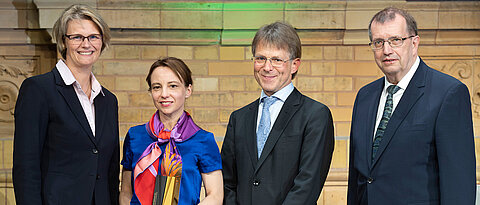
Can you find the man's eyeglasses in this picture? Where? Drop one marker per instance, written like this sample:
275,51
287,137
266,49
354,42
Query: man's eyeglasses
392,41
78,39
261,60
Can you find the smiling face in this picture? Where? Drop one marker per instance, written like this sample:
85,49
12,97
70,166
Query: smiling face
84,54
273,79
394,62
168,93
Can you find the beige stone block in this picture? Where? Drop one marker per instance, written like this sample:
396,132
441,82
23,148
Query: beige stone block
108,53
127,52
205,52
341,114
153,52
323,68
321,37
191,19
97,68
325,98
182,52
230,68
339,158
126,67
338,52
248,53
218,130
364,53
197,68
316,19
209,115
428,37
346,98
357,68
251,84
106,81
127,83
247,19
356,37
129,115
242,99
309,83
140,99
312,52
355,19
123,128
232,53
131,18
338,84
147,113
362,81
304,68
342,129
205,84
10,197
335,195
446,50
200,99
232,84
48,16
7,154
225,114
122,98
465,37
459,19
426,19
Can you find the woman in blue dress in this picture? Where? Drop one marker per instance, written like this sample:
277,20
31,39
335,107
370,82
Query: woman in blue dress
172,145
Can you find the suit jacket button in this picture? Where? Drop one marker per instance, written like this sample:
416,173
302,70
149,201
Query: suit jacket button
98,177
256,183
370,180
94,151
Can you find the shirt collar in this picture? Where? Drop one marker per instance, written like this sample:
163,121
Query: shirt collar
403,83
282,94
69,79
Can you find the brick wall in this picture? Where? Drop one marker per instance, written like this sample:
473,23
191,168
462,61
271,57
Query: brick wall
213,38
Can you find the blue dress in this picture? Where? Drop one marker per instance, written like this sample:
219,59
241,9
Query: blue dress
200,154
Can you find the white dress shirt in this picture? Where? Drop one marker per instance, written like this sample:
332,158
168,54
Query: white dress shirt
275,108
397,96
87,104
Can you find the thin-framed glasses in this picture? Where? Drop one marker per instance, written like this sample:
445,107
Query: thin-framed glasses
276,62
78,39
394,42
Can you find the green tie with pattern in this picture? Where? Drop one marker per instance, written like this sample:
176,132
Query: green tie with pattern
387,113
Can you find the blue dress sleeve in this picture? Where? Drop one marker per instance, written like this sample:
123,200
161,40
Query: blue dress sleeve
127,153
210,159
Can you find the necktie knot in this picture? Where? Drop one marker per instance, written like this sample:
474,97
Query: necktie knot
268,101
392,89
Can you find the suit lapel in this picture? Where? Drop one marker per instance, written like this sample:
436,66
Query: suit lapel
372,117
100,112
289,108
250,131
411,95
73,103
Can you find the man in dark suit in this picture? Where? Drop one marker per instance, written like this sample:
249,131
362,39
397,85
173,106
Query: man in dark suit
411,138
277,149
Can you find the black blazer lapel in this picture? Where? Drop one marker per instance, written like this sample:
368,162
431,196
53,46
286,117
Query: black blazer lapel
289,108
411,95
250,131
72,101
372,117
100,112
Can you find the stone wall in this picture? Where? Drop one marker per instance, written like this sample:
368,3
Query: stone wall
213,38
